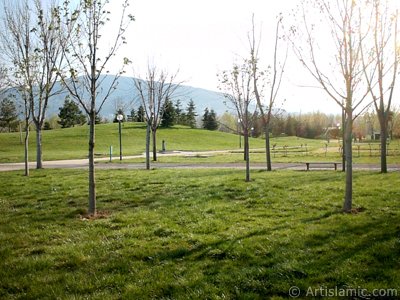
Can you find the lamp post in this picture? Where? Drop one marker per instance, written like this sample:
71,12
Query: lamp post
239,133
119,119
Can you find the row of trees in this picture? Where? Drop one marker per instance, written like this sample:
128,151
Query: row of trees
44,45
361,69
49,49
248,81
356,66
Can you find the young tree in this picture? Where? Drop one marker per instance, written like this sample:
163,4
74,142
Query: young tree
344,25
87,65
154,90
17,51
272,79
8,112
190,116
168,118
236,85
37,51
381,59
70,114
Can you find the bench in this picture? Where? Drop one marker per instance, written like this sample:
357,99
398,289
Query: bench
334,164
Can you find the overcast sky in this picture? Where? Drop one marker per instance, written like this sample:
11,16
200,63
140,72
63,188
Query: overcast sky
202,38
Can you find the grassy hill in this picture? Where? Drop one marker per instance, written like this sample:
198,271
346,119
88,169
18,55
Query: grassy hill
71,143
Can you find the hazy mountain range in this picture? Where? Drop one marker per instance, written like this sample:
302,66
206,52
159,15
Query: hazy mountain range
125,96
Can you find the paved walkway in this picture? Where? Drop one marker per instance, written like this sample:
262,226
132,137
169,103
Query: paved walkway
100,164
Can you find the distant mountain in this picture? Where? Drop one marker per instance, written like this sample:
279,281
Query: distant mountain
125,96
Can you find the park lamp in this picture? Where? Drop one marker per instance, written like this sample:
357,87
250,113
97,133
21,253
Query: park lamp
120,117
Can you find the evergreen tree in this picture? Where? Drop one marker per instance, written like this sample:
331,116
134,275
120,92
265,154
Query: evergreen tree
8,112
140,117
168,117
205,118
119,112
179,114
210,120
190,117
70,115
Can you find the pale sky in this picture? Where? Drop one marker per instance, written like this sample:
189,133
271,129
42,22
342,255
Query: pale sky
202,38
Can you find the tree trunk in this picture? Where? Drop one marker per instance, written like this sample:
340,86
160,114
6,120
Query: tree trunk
92,181
244,148
343,141
26,156
154,137
148,146
383,147
267,147
39,164
347,206
246,153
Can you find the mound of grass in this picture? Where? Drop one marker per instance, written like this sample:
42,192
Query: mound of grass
176,234
72,143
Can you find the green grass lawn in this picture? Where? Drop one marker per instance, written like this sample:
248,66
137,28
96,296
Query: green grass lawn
179,234
71,143
259,157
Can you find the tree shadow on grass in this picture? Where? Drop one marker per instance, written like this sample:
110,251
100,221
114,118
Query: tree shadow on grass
344,255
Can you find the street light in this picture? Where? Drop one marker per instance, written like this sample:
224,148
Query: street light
239,133
119,119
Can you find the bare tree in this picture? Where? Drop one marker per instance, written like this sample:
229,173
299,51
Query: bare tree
154,91
273,82
85,79
32,41
17,50
381,62
236,85
344,25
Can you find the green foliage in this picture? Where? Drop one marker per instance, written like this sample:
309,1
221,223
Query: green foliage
8,112
168,117
70,114
179,234
141,115
210,120
179,113
190,116
47,125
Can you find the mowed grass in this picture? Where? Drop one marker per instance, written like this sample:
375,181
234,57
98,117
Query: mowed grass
179,234
72,143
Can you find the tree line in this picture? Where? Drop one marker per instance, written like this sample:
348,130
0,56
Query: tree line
44,45
356,67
